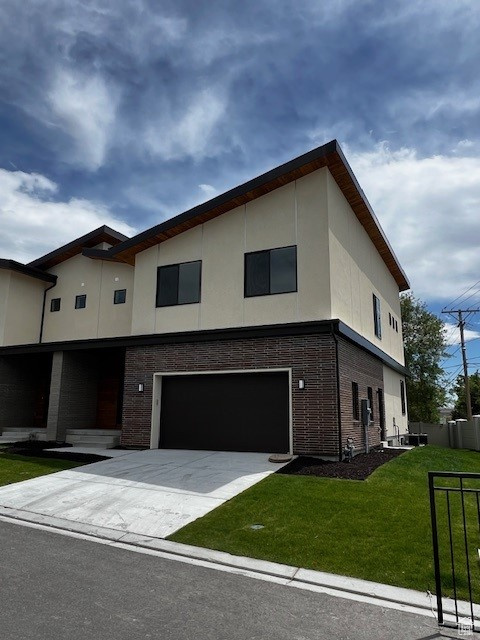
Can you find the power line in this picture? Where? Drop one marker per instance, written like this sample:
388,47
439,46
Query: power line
462,294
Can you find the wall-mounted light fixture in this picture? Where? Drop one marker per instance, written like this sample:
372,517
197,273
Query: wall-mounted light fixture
140,387
301,384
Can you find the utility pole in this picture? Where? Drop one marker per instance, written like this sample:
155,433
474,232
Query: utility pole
461,325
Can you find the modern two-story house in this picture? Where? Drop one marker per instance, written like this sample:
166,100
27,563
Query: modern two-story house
257,321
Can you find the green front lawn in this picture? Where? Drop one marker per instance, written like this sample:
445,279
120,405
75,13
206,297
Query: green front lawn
15,468
378,529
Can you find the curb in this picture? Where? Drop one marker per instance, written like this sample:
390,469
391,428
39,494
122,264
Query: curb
418,602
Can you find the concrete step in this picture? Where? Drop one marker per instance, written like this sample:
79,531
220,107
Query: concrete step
22,430
97,432
106,442
8,439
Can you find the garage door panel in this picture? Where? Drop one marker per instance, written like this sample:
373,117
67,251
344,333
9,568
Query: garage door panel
225,412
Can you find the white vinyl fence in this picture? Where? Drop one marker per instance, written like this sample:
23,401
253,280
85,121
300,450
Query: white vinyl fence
456,434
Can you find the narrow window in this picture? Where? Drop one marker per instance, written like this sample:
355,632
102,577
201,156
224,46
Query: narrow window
179,284
80,301
402,397
370,399
119,296
396,326
355,403
390,319
377,317
55,304
271,271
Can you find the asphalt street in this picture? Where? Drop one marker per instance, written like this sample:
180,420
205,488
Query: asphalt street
56,587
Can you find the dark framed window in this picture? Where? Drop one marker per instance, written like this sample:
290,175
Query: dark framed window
81,301
402,397
270,272
370,400
377,316
390,319
355,402
119,296
179,283
55,304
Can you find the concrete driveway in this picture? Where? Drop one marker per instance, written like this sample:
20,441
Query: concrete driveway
152,493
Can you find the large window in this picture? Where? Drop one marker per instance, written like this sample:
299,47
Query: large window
179,283
272,271
377,316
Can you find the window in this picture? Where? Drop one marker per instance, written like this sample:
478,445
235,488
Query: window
377,317
355,403
272,271
370,400
179,284
390,319
80,301
55,304
402,397
119,296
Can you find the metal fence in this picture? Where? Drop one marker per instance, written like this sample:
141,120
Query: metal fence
455,517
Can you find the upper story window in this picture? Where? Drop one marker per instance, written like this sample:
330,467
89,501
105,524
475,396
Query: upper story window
272,271
55,304
377,317
119,296
179,283
80,301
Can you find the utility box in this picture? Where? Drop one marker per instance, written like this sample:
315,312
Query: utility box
366,413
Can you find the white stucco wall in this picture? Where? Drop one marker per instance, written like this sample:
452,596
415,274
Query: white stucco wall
295,214
393,404
357,271
101,318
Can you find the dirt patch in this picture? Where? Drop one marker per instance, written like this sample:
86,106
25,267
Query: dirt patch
36,449
358,469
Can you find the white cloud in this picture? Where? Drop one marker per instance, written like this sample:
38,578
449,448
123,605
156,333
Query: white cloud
33,224
208,190
84,107
452,334
429,208
176,134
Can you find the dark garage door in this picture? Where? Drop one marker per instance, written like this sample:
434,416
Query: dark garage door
225,412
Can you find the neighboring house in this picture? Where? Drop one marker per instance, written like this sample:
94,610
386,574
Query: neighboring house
257,321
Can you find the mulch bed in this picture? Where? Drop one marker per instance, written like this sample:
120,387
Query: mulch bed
358,469
36,449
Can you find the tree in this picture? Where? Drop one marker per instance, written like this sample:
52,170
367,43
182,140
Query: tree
425,345
460,408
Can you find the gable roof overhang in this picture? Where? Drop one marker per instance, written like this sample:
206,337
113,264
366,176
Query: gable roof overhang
18,267
329,155
102,234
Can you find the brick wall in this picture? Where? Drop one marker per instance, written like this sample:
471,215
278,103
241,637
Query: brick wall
355,365
311,358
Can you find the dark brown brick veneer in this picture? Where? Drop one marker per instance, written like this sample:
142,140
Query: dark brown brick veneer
311,357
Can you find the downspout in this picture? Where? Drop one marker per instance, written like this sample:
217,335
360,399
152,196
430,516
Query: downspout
43,309
339,409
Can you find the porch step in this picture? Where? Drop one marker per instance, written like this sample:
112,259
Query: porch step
103,438
20,434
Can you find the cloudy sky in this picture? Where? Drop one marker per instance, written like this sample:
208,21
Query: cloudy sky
127,113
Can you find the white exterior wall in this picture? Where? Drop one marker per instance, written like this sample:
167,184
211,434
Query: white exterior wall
295,214
21,299
357,271
393,403
101,318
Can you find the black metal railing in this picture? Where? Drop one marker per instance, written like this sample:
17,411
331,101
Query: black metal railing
455,517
